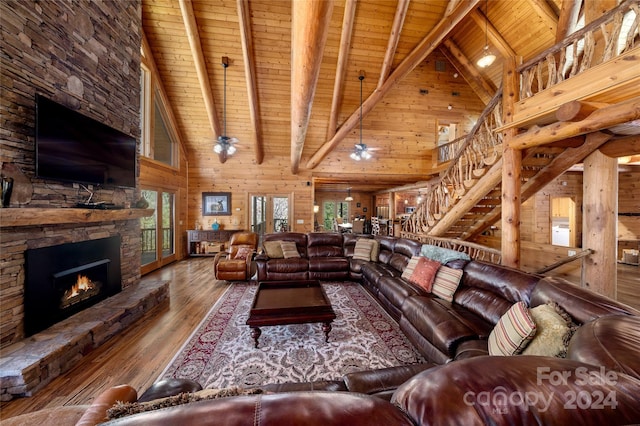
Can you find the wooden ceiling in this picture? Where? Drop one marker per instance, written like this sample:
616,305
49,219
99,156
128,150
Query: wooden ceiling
418,58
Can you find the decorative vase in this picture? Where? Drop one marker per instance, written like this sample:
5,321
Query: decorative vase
7,187
215,225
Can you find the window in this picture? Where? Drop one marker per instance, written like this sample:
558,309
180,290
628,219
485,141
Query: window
159,139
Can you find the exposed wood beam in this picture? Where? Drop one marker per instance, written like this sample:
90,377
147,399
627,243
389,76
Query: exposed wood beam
568,20
558,166
622,147
189,18
493,34
598,120
394,37
415,57
481,86
309,30
546,13
341,68
244,18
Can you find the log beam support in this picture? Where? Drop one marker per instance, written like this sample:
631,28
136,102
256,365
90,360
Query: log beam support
511,172
599,223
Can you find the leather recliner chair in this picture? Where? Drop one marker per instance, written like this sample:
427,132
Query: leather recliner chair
235,263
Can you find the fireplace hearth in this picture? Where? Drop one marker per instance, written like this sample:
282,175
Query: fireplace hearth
65,279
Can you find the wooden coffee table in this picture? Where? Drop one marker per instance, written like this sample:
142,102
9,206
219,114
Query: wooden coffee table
290,302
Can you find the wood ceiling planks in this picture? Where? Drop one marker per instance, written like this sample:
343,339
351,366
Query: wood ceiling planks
401,126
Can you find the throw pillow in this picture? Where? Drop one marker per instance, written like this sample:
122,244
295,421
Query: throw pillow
123,409
446,282
513,332
424,273
553,332
289,249
273,249
243,252
375,250
411,266
362,250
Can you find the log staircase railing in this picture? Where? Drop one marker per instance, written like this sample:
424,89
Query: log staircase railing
481,149
471,155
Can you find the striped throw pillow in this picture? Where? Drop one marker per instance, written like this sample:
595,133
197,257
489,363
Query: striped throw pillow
513,332
446,282
411,266
289,249
362,250
375,250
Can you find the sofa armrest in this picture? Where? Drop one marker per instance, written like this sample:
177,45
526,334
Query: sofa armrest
521,389
97,411
382,380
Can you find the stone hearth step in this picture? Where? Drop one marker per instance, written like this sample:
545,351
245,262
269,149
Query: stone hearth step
27,366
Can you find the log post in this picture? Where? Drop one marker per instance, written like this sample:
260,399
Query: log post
599,223
511,172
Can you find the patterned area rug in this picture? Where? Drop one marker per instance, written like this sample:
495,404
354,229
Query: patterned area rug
220,353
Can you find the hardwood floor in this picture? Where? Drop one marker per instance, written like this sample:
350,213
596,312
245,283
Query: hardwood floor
139,355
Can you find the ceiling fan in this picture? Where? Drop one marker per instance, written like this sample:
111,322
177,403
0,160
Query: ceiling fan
225,145
361,151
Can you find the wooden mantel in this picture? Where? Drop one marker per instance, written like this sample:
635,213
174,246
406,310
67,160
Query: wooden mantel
11,217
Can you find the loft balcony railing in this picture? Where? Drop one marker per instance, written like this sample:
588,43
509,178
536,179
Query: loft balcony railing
470,156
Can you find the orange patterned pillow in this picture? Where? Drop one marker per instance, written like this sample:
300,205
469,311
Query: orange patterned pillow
424,273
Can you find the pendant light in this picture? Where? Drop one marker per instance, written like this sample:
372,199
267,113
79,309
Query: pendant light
361,151
487,58
225,144
349,197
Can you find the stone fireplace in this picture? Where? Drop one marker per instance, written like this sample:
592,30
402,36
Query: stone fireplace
65,279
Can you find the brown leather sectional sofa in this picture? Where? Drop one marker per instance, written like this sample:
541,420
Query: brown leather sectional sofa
597,383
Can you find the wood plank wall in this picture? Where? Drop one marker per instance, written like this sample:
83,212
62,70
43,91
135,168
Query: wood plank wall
537,250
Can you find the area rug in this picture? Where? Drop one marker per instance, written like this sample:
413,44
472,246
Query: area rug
220,353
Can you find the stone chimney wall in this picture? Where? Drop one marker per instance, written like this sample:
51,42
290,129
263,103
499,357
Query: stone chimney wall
85,55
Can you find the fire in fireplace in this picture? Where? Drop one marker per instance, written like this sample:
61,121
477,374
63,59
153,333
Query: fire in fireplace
65,279
82,283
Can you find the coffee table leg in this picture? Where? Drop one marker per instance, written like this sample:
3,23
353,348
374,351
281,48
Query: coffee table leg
255,333
326,327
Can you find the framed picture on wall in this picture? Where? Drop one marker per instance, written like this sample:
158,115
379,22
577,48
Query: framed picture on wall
364,209
358,205
216,203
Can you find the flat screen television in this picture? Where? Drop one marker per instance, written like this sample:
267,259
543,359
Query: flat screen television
75,148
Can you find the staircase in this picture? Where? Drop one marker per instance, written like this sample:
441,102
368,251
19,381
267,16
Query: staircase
465,200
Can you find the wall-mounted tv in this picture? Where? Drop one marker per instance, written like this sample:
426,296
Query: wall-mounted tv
75,148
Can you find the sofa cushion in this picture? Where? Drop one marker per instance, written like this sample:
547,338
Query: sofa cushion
295,264
436,323
395,290
273,249
513,332
446,282
552,332
289,249
424,273
324,244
